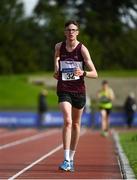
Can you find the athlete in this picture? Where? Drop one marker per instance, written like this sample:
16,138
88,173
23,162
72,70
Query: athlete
105,96
70,58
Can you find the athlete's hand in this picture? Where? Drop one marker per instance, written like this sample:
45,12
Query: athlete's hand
56,75
78,72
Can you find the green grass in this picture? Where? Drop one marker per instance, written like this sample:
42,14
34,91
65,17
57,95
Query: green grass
17,93
128,141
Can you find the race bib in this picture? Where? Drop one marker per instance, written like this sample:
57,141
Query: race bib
68,68
68,74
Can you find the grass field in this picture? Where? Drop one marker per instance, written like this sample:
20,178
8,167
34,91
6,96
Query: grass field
128,141
16,93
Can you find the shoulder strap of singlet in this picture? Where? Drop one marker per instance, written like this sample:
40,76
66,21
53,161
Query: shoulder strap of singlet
79,45
78,49
63,44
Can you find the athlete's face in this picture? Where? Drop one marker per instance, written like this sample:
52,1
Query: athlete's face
105,86
71,32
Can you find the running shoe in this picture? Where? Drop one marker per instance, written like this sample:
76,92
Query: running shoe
104,133
72,166
65,166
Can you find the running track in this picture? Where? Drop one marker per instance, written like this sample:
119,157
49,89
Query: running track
34,154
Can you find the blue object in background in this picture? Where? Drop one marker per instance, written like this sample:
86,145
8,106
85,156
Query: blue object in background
29,119
18,119
116,119
55,119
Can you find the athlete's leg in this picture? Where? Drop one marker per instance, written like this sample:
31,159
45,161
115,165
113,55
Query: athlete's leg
107,121
66,109
76,122
104,120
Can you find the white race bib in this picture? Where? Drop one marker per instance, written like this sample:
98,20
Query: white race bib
68,68
68,74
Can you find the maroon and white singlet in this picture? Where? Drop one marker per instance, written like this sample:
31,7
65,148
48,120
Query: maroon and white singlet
67,81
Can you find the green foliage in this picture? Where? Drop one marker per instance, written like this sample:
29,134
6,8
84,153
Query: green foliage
27,43
128,141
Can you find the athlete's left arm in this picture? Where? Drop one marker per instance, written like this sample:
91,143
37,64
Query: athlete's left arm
91,73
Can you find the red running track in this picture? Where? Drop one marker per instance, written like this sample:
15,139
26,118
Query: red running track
33,154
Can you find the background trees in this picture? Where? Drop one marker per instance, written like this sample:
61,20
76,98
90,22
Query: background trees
108,29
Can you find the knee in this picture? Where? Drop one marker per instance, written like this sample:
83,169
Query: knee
76,125
68,123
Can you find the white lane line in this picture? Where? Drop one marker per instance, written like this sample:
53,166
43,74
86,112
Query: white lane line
36,162
25,140
41,159
13,133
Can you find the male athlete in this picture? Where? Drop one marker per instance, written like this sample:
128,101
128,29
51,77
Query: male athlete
71,56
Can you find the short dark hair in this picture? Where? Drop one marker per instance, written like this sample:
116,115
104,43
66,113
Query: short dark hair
71,22
104,82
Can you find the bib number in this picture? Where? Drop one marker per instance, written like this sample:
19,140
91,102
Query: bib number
68,75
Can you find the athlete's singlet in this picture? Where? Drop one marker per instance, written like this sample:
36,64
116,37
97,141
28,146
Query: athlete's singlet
67,81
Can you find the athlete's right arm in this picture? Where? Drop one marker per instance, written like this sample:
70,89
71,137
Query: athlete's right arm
56,59
111,94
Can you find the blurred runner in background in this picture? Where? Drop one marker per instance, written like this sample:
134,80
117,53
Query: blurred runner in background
130,109
42,107
105,97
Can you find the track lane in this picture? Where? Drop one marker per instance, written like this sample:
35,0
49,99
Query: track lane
15,158
27,173
95,159
15,135
25,140
15,132
3,130
54,150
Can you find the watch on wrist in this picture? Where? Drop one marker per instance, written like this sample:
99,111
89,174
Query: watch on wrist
84,73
